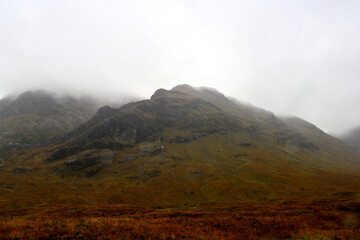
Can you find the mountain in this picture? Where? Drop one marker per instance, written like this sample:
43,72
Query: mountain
182,147
34,117
352,138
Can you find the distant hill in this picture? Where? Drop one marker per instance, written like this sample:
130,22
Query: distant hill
182,147
352,138
35,117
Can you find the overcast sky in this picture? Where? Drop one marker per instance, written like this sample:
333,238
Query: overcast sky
291,57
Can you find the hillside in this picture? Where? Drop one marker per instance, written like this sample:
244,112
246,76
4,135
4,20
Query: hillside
183,147
352,138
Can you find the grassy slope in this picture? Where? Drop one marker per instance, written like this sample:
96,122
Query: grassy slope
210,170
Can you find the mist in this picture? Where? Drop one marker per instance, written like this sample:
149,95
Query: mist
290,57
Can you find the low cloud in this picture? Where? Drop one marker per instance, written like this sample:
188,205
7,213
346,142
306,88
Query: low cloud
291,57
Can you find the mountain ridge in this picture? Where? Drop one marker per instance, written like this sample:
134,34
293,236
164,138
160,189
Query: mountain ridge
184,147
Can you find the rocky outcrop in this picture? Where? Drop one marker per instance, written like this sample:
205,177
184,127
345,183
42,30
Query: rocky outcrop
181,115
79,164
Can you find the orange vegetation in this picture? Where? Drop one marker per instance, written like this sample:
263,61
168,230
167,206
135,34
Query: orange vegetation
280,220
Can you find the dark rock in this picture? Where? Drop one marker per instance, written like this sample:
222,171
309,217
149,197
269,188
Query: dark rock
244,145
74,148
176,157
343,208
185,139
240,155
79,164
107,144
2,165
195,172
151,174
93,172
356,209
64,152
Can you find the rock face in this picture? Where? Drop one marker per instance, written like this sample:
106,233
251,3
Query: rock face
33,118
181,115
136,122
188,112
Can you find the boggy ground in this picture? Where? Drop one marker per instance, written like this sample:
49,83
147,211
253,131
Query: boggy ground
277,220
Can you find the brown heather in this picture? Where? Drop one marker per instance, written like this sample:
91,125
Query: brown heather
286,220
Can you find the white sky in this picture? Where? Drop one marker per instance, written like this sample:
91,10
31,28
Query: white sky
292,57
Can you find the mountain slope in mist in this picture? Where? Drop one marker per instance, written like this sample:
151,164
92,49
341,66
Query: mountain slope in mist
352,138
35,117
183,147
